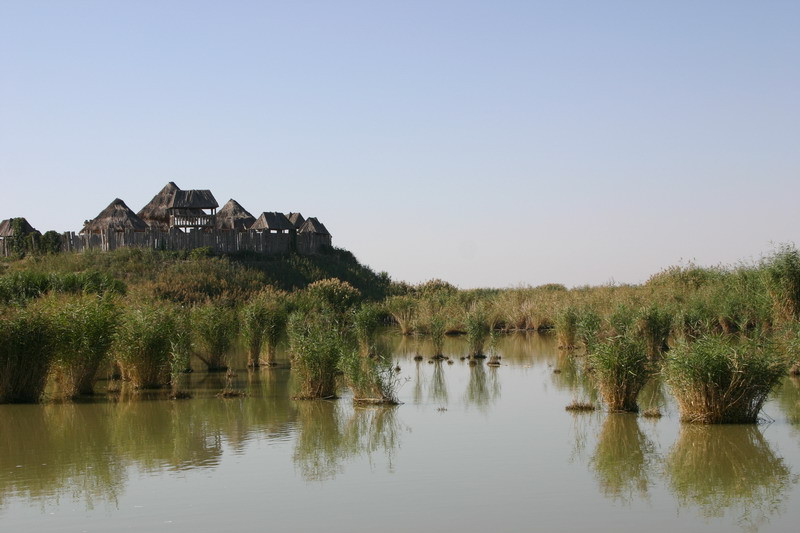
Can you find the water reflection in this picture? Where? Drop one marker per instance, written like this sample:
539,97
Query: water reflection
438,384
53,451
717,469
483,387
328,436
570,374
788,399
624,460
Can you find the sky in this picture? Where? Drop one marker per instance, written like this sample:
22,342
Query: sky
487,143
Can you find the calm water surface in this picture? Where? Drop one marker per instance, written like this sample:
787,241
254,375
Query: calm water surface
471,449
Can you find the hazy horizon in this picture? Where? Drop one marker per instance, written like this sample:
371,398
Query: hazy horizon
488,144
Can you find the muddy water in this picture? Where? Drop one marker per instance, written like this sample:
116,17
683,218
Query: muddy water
472,448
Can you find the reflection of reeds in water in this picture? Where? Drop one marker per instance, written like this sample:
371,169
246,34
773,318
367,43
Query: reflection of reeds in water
570,374
788,398
327,436
438,385
728,468
483,387
57,450
624,458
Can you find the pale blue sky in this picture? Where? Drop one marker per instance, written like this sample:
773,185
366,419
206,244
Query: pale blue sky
489,143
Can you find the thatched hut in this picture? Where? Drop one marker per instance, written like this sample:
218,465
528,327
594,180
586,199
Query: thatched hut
233,216
7,227
296,219
273,222
312,225
156,213
185,203
116,217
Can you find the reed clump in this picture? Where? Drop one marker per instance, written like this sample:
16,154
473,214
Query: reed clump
84,332
373,380
263,326
148,343
403,309
317,343
719,379
366,322
27,342
437,327
215,328
478,330
621,368
566,324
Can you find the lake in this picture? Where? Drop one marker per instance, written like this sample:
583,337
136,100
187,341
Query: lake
472,448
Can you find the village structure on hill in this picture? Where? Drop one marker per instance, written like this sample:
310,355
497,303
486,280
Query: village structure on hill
177,219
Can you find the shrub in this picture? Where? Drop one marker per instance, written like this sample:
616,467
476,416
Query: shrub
718,379
332,293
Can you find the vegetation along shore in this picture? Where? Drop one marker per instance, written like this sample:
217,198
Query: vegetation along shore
721,338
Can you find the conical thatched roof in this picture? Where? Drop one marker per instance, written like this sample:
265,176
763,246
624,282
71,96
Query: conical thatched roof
312,225
7,227
193,199
272,221
117,217
233,216
296,219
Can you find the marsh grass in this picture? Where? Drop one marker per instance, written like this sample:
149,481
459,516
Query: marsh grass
84,332
366,322
403,310
317,343
782,271
437,327
145,344
719,379
654,324
215,328
621,368
566,324
580,406
27,341
373,380
263,326
478,331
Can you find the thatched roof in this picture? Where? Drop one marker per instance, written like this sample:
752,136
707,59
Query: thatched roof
312,225
193,199
233,216
117,217
156,213
7,227
296,219
272,221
